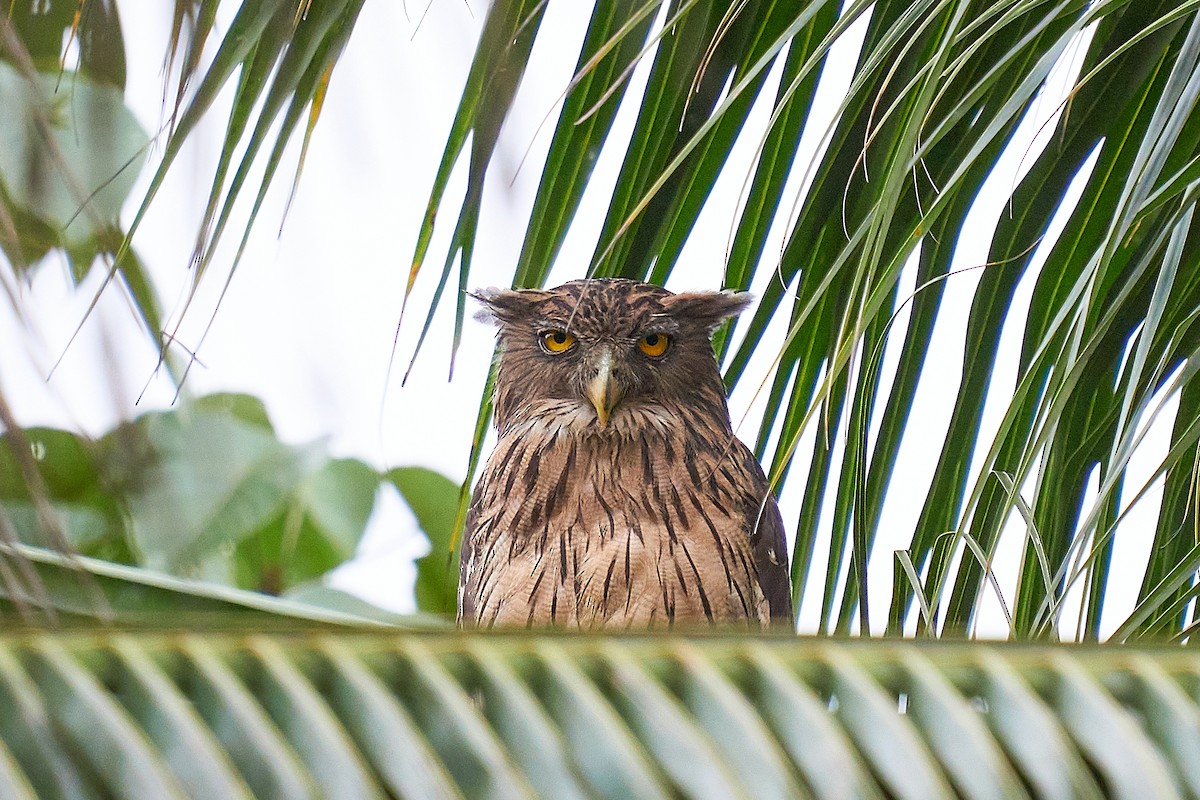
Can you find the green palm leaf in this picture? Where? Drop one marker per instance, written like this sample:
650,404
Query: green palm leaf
1099,228
936,96
309,714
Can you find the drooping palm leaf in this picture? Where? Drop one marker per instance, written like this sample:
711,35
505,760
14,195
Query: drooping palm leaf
91,592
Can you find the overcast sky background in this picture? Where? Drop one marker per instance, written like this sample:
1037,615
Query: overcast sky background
309,319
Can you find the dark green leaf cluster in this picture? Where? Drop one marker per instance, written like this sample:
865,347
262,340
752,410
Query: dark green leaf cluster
208,491
71,149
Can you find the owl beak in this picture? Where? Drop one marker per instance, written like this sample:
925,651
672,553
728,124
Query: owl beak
603,389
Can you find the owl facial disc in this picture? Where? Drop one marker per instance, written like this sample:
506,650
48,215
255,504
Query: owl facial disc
603,390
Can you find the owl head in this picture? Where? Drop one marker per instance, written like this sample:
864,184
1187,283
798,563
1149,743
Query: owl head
604,352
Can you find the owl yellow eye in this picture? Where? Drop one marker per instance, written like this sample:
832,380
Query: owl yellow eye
654,344
557,341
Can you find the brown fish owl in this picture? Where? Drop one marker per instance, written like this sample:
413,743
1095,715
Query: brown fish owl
617,495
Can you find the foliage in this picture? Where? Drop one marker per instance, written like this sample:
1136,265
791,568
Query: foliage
433,499
310,714
89,150
72,149
90,529
73,590
203,491
936,95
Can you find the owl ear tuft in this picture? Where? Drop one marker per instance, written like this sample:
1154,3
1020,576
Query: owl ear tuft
707,309
506,306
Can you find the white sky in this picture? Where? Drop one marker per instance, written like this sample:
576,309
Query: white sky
309,319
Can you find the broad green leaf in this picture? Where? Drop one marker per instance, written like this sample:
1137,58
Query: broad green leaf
43,29
339,499
318,595
210,481
63,459
243,407
434,500
84,526
72,153
320,527
78,502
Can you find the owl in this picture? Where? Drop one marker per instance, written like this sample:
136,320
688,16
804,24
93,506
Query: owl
617,496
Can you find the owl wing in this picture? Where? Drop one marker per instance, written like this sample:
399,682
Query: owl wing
771,558
769,545
467,574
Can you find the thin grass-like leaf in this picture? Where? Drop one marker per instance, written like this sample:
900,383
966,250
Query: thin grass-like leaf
384,730
29,732
721,711
456,730
682,749
909,571
823,752
1171,722
1031,532
604,750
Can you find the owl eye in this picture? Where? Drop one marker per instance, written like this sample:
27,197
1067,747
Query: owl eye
557,341
654,344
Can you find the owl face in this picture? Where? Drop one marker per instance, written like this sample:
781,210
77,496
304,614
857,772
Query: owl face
605,348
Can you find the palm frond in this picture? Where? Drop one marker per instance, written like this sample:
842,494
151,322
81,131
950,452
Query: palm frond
311,713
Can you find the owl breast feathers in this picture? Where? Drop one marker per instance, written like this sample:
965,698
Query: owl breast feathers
617,495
